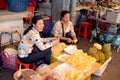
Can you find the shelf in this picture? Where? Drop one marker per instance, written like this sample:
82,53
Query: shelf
8,15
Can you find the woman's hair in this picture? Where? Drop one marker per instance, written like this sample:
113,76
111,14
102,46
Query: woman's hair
63,13
34,21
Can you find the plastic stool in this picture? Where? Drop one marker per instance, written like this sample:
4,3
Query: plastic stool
83,29
31,9
25,65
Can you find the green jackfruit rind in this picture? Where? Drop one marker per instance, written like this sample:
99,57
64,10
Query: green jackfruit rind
106,48
107,55
93,53
101,56
95,56
92,50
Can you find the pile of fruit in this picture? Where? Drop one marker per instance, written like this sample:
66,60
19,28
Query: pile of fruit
72,74
58,49
100,52
79,60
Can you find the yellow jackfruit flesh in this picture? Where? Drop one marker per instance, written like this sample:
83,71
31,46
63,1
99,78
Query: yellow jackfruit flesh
58,48
98,46
106,48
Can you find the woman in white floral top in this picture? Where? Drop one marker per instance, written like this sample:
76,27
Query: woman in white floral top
32,47
64,30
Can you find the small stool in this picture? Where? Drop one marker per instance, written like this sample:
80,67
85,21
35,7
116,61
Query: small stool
31,9
25,65
83,29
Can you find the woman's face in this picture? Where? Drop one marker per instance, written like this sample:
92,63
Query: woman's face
39,25
66,18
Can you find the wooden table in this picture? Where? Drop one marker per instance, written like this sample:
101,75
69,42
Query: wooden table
94,67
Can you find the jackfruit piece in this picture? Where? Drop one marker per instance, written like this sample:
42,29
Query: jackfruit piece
58,48
92,50
93,53
88,78
101,57
107,55
98,46
53,59
106,48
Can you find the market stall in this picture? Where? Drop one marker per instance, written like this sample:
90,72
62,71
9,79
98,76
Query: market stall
71,64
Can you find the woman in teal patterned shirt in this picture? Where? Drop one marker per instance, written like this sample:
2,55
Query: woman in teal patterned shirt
32,47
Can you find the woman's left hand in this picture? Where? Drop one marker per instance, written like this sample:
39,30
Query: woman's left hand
69,40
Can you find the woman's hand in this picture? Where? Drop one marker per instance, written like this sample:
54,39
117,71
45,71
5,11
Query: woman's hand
56,41
54,38
75,41
69,40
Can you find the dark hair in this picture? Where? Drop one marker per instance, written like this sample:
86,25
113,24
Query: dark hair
63,13
34,21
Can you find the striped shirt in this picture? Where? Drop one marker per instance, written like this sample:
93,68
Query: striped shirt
33,38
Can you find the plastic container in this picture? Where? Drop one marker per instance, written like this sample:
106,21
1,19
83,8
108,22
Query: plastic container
43,69
100,71
116,41
17,5
24,74
112,28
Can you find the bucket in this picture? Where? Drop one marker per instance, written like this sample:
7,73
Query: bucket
17,5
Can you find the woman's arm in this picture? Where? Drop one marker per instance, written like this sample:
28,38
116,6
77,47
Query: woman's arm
39,42
49,39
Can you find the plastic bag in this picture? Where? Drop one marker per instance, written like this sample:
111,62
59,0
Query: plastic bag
9,57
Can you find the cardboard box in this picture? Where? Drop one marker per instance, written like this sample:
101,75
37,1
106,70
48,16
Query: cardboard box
100,71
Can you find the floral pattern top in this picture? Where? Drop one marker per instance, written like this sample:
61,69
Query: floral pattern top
57,29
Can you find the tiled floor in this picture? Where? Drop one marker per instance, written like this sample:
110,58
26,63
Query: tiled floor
112,71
